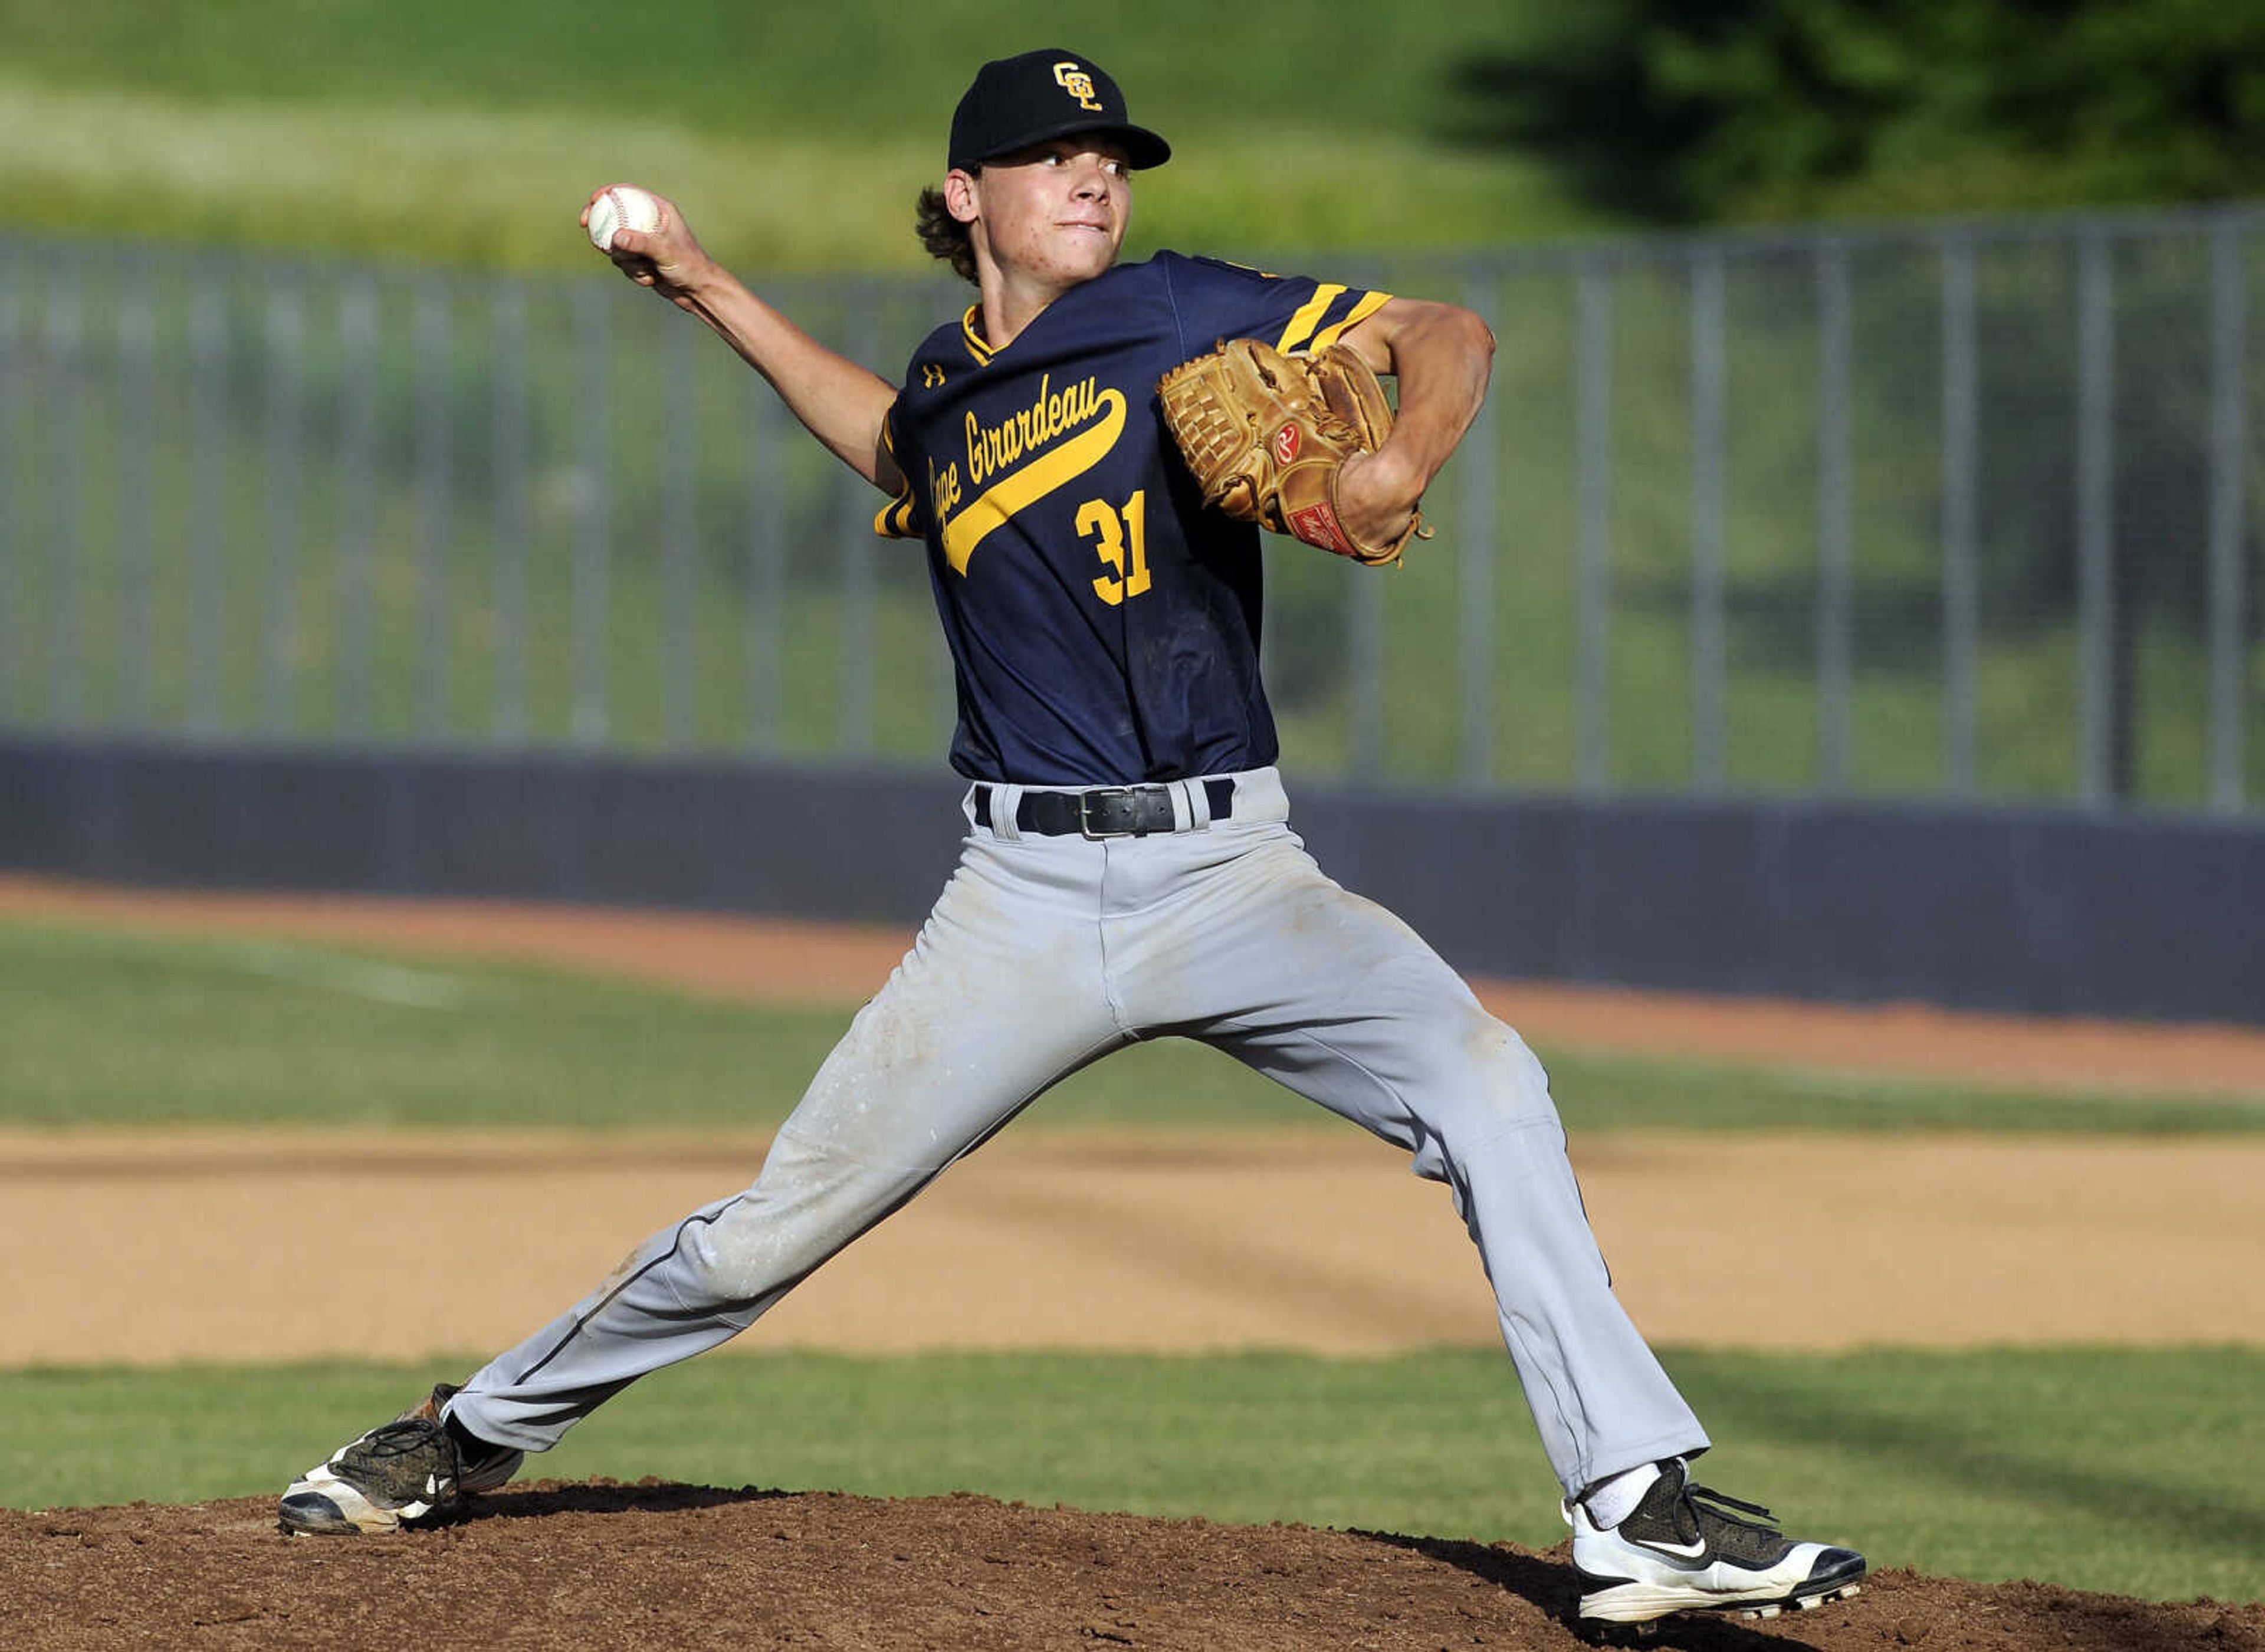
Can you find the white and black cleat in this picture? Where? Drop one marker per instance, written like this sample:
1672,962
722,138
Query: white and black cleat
1686,1548
1804,1603
324,1503
408,1470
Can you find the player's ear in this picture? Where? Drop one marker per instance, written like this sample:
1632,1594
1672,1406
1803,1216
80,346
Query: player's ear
960,195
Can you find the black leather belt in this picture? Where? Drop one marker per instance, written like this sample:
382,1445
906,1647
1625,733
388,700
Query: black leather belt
1106,812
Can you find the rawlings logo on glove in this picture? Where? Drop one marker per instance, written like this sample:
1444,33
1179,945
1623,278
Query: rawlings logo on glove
1265,435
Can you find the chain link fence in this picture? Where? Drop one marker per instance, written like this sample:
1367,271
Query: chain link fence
1965,511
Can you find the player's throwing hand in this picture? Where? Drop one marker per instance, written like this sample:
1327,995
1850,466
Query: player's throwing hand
666,257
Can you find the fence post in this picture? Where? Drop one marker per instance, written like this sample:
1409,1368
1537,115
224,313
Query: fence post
593,345
766,502
434,412
856,551
853,549
1961,473
680,528
509,436
137,442
14,533
2101,742
1365,654
1594,472
65,484
357,529
1835,547
1481,550
286,343
1709,646
2229,630
208,491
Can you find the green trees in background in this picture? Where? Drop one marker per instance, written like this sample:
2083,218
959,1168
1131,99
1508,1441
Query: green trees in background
1692,111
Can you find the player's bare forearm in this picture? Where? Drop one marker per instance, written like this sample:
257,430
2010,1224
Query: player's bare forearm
842,403
1443,355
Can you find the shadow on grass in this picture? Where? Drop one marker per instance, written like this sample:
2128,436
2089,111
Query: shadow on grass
2225,1519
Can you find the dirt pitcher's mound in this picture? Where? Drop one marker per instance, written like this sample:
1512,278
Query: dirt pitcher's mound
605,1565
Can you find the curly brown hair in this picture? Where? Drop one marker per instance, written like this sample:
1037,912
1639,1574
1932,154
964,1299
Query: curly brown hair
945,235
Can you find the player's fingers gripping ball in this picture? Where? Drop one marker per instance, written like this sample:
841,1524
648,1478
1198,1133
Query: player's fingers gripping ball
1265,435
622,207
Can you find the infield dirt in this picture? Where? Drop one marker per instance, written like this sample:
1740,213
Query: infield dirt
654,1565
1314,1238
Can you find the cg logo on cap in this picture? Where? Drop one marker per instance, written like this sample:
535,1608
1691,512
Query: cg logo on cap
1077,84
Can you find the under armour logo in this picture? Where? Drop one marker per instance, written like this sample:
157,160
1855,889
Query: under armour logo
931,375
1077,84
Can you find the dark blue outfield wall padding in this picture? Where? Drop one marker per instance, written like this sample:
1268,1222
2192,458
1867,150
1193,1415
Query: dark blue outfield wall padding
2043,911
807,843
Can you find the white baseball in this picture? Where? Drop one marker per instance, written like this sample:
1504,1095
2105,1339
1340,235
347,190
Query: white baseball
624,206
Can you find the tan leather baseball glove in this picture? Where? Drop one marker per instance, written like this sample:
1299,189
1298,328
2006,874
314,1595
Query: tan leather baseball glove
1265,433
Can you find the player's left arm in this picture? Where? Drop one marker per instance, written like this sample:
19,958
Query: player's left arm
1442,355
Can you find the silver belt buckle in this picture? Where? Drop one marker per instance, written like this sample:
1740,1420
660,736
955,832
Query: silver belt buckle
1085,818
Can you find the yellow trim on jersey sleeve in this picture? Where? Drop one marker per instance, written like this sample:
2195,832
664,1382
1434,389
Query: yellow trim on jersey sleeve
1360,312
1308,318
894,520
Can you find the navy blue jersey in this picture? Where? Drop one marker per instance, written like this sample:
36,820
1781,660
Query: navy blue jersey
1103,626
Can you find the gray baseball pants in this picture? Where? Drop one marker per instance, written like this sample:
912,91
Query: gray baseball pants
1044,953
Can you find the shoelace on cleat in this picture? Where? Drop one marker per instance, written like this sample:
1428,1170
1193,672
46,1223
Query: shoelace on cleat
403,1460
398,1438
1720,1503
1750,1539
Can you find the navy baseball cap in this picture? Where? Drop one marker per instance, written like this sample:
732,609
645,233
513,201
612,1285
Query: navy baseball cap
1039,96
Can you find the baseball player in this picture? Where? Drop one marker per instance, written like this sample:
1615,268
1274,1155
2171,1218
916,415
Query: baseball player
1128,870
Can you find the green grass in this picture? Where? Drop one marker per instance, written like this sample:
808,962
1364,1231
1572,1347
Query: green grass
100,1025
2127,1471
835,70
392,183
1600,1090
795,136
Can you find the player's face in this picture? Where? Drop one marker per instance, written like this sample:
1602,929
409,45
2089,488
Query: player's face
1056,213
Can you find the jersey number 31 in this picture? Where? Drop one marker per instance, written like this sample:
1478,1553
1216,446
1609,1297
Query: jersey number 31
1121,540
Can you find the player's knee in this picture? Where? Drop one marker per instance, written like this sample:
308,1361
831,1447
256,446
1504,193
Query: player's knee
737,1257
807,1204
1500,1085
